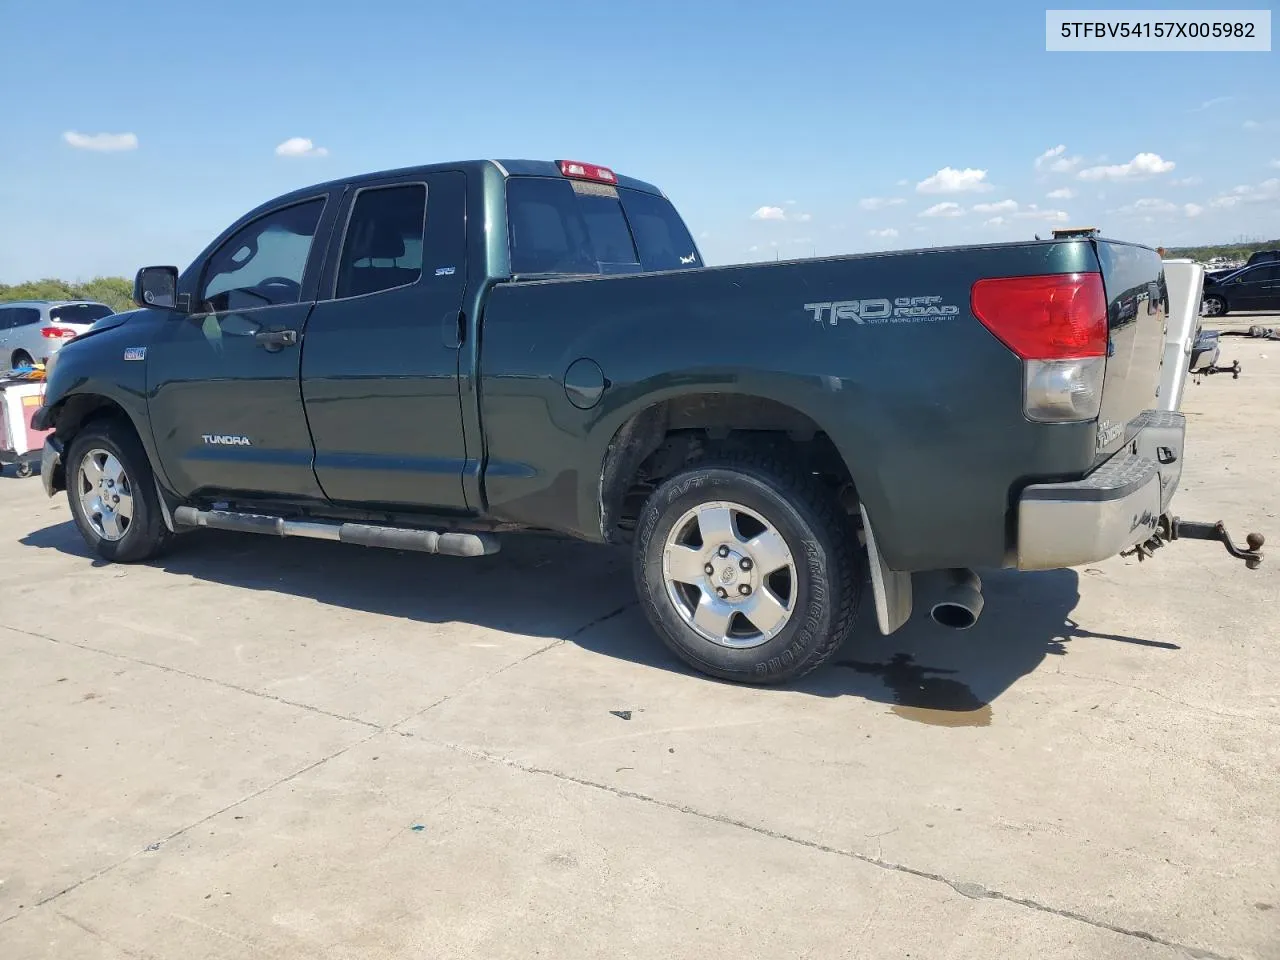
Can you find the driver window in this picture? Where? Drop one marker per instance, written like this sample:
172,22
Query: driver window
262,264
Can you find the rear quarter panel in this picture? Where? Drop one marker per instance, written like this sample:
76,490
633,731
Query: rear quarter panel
927,412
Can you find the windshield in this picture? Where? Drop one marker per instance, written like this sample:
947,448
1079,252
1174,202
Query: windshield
575,227
82,313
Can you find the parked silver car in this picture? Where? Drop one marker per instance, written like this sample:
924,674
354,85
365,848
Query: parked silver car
31,331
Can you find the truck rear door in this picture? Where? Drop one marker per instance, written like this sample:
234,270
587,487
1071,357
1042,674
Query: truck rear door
379,380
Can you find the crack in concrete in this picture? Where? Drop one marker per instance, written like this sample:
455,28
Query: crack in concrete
1225,714
156,845
973,891
479,681
124,657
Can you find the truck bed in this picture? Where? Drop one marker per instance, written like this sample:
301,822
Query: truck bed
925,409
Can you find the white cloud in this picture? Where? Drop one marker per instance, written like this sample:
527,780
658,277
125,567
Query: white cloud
1275,164
102,142
1192,209
1142,165
879,203
777,213
704,235
1032,212
1148,206
300,147
951,180
1185,182
1252,125
995,222
1209,104
946,209
1004,206
1055,160
904,183
791,203
888,233
1265,192
1062,193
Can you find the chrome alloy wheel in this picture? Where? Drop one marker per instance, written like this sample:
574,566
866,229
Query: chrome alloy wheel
729,574
106,496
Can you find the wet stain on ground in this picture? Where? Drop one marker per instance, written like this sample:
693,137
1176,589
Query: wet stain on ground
923,696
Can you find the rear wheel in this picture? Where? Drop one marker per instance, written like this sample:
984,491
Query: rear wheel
749,571
21,358
113,495
1213,306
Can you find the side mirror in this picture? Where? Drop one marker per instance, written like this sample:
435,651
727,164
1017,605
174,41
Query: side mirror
156,287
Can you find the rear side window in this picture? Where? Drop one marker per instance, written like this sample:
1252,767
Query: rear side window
23,316
383,245
82,313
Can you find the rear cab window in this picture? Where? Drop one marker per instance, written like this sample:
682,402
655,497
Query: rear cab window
82,314
563,226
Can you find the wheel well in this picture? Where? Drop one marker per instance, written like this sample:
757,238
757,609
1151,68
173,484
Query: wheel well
13,357
662,439
80,410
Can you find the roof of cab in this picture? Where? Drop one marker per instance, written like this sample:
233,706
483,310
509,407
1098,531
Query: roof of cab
508,168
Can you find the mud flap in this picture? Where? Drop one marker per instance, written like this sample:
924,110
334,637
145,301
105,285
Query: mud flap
891,588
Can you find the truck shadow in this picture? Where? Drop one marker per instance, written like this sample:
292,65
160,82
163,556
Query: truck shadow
581,593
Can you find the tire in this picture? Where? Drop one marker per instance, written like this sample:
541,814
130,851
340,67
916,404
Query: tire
1213,306
819,590
109,533
21,358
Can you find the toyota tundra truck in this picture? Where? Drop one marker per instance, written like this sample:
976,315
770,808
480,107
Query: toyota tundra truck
434,358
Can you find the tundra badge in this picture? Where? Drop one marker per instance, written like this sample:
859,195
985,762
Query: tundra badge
226,439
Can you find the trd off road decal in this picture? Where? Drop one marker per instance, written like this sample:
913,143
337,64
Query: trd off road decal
880,311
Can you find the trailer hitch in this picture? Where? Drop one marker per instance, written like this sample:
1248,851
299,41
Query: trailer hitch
1171,528
1233,369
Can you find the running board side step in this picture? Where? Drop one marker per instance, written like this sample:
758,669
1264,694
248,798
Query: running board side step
452,544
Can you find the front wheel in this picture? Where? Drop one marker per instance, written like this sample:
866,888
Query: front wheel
1213,306
113,494
748,570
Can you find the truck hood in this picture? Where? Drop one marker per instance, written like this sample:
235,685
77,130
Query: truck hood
111,322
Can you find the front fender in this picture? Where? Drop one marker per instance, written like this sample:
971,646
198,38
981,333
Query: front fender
104,370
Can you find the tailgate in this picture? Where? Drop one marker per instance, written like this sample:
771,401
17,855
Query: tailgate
1137,305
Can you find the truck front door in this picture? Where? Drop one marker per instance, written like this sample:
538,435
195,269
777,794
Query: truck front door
223,380
380,359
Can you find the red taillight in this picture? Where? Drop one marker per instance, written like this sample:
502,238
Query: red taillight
587,171
56,333
1053,317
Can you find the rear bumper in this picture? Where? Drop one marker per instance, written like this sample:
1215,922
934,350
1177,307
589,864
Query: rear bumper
1117,506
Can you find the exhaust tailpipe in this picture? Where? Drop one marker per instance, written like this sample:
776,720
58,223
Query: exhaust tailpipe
961,602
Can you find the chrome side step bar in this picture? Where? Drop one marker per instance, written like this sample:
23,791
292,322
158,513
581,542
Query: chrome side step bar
366,535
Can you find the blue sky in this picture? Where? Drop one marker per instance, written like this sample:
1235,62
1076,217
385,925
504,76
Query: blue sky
778,130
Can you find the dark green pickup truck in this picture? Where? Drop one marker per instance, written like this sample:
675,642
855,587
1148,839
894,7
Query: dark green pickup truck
428,358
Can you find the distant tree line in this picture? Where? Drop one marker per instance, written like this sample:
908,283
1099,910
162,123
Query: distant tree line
115,292
1232,251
